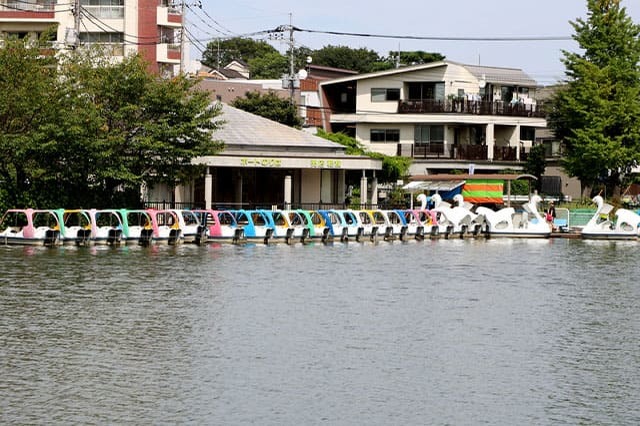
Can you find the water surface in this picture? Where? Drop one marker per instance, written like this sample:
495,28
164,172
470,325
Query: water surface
437,332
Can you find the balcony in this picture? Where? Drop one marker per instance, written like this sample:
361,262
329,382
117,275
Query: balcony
169,17
436,150
34,9
168,53
464,106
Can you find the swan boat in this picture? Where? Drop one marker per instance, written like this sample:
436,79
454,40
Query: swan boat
600,227
221,226
30,227
457,219
106,227
166,227
75,226
137,227
507,223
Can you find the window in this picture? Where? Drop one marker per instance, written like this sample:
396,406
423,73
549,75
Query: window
102,2
115,41
422,91
104,9
382,95
385,135
506,93
527,133
424,135
102,37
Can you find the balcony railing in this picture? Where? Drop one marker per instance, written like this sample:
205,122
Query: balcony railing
436,150
464,106
27,6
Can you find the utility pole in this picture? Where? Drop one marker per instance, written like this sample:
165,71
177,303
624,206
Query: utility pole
183,39
72,35
291,72
288,80
76,23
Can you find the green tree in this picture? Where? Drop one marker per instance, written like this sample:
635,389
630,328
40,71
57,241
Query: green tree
83,130
272,65
264,60
536,164
597,113
361,60
145,129
270,106
29,87
414,57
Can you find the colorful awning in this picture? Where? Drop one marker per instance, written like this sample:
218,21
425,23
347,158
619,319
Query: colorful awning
480,191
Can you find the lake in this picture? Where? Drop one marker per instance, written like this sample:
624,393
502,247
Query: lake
448,332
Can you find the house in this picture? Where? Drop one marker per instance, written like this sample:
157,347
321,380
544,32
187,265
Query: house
445,115
265,163
238,70
149,27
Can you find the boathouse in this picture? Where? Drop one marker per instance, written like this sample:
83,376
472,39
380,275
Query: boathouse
265,163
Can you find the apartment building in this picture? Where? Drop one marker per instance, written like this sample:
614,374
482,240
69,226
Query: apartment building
149,27
444,115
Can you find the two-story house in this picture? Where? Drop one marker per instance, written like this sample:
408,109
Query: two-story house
445,115
149,27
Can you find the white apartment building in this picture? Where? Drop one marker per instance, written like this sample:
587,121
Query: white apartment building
445,115
150,27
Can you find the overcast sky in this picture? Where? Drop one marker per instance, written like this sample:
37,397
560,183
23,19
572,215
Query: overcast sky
414,18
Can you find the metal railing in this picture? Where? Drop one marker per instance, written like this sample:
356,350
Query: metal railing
163,205
464,106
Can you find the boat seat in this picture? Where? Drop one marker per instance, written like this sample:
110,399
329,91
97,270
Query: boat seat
560,223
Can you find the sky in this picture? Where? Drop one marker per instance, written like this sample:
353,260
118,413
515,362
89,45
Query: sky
409,18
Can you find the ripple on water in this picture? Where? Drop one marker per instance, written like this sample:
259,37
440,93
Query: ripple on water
457,332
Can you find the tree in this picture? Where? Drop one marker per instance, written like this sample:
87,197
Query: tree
83,130
536,163
414,57
270,106
28,83
597,112
361,60
221,52
272,65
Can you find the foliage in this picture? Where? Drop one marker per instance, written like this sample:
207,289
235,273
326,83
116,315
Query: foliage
361,60
82,130
518,186
353,146
265,61
269,66
536,164
414,57
270,106
597,113
222,52
393,168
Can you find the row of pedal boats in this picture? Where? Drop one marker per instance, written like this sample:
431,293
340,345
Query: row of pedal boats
84,227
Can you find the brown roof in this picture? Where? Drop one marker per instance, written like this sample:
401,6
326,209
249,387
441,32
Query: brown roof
467,176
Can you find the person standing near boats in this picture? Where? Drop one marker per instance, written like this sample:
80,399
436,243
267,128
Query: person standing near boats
551,214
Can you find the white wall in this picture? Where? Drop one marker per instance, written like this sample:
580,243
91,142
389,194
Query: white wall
310,186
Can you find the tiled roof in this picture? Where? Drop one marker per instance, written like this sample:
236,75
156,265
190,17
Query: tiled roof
501,75
242,128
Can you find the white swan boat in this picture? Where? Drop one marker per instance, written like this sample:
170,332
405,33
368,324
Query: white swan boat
507,223
458,219
600,227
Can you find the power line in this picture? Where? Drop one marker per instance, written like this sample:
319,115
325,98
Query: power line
436,38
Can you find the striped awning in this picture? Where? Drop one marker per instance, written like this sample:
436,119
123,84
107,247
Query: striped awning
479,191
